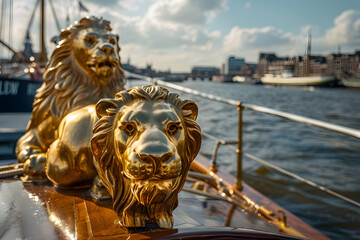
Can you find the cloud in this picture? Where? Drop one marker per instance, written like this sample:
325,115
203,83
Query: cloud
168,24
255,38
345,32
168,33
186,11
108,3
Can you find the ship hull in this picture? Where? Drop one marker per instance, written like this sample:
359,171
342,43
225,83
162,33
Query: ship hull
299,81
17,95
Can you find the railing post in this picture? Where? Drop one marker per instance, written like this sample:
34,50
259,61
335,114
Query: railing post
238,184
214,166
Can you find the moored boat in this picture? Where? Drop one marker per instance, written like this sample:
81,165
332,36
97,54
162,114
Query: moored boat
21,75
289,79
18,94
286,76
352,81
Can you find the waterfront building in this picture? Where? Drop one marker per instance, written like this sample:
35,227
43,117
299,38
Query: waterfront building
318,66
336,64
128,66
269,62
343,64
234,64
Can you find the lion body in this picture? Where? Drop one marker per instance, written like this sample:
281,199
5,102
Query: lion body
84,68
69,160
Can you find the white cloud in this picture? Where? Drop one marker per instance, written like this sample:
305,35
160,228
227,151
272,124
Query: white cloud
344,33
186,12
108,3
248,42
255,38
170,31
157,31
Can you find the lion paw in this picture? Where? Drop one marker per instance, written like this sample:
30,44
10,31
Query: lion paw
165,220
27,152
34,165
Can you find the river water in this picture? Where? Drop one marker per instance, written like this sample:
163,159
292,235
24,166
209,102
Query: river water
326,158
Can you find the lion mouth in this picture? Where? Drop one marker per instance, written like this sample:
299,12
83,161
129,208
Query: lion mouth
102,68
105,64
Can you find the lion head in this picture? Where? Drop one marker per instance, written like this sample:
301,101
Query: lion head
143,144
84,67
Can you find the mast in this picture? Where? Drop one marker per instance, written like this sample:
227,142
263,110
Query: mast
43,57
308,55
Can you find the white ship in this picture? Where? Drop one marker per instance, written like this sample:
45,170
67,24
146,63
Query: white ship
353,81
287,78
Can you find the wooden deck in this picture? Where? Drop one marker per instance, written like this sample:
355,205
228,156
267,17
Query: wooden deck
30,211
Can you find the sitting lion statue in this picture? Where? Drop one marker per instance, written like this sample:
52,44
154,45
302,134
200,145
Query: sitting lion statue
84,68
143,145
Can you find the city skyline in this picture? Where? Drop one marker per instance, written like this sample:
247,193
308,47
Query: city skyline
180,34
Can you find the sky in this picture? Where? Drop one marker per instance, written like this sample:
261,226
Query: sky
180,34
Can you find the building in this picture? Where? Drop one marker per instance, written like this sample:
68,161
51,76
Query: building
270,63
128,67
204,72
343,64
234,64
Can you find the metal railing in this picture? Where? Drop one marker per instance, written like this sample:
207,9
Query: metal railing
240,107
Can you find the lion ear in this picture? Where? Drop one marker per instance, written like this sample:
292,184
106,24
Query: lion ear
64,34
104,105
192,108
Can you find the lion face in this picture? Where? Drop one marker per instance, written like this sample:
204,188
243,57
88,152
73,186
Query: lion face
147,138
143,145
84,68
96,51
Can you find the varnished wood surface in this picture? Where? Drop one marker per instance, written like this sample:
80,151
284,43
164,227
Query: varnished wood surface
30,211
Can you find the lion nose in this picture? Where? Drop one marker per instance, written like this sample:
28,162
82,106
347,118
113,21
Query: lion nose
107,48
149,158
153,145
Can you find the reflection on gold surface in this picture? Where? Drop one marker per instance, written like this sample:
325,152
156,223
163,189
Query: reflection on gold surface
143,144
84,68
58,223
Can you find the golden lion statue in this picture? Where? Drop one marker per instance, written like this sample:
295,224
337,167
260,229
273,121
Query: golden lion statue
84,68
143,145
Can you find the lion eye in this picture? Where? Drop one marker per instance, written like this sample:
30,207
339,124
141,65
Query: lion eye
90,40
173,128
129,128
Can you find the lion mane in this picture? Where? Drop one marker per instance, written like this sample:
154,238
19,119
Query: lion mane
110,167
66,86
